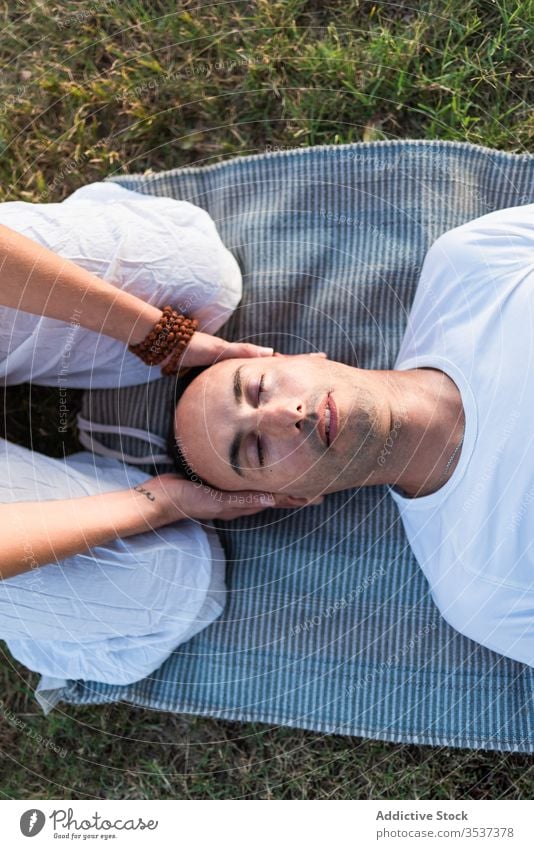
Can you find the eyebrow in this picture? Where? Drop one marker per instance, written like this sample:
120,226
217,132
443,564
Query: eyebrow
238,388
235,446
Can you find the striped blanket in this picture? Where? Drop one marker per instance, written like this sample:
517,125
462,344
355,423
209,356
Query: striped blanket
329,624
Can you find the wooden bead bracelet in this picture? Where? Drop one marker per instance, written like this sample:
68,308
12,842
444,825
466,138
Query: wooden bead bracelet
171,334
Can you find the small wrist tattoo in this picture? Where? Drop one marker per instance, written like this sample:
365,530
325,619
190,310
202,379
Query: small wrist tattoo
144,491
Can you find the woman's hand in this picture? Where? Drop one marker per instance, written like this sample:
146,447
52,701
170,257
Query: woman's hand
205,349
183,499
321,354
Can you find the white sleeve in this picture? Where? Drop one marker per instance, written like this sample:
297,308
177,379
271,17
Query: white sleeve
499,616
162,250
116,612
489,243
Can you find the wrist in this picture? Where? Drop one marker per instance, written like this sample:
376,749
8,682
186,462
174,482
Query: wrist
170,335
150,509
148,316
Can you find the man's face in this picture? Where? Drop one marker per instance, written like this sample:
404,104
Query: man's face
295,424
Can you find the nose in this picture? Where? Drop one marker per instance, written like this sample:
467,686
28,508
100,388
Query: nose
277,417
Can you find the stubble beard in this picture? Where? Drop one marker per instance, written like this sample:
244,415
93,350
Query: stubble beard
362,433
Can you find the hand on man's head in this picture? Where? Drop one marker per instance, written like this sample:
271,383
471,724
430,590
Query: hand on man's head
179,499
205,349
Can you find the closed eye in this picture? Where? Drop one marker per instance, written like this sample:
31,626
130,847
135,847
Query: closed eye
260,388
261,458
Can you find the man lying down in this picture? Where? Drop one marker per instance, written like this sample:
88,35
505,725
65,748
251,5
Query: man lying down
110,572
448,429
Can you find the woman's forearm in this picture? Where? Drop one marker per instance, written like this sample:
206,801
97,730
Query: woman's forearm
36,280
36,533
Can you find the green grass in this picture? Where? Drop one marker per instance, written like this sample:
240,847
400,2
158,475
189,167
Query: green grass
133,86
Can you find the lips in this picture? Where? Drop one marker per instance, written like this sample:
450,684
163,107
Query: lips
327,420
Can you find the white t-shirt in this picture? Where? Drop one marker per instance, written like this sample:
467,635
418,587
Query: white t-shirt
473,317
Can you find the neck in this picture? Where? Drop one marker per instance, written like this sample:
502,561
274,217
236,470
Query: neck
424,422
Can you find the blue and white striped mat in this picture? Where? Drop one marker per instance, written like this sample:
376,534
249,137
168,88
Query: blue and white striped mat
330,625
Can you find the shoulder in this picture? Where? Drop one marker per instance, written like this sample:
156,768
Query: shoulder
502,231
479,609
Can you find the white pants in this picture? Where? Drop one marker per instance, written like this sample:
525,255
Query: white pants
116,613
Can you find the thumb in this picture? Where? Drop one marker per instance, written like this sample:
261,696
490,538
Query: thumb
250,498
244,349
305,354
305,501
